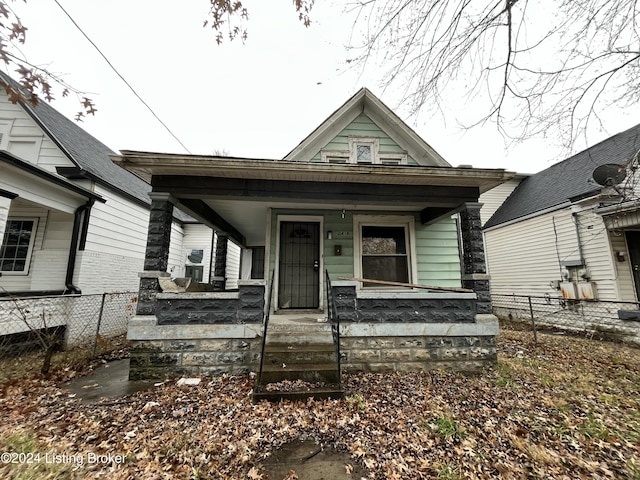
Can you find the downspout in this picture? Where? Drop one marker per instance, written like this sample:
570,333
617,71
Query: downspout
75,237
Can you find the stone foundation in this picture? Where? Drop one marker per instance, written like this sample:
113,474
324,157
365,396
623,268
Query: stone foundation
170,358
162,351
381,347
383,354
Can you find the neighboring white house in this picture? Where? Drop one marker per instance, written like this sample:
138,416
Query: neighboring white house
71,221
561,226
565,236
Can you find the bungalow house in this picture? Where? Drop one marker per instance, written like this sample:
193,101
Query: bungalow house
570,232
363,198
71,221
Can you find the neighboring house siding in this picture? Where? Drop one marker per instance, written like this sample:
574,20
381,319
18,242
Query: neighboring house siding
623,273
233,266
438,253
495,197
175,264
363,126
198,236
50,262
524,257
25,138
597,254
50,250
115,246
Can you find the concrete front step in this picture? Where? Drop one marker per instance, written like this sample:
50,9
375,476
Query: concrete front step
332,391
277,354
307,372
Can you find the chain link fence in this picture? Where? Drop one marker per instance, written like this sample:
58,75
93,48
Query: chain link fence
86,324
599,318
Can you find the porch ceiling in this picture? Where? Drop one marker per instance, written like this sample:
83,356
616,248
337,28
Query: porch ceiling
250,217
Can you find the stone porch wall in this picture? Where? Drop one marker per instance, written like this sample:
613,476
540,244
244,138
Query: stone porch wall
412,307
408,347
200,333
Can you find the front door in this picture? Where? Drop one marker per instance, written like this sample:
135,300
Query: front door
299,265
633,244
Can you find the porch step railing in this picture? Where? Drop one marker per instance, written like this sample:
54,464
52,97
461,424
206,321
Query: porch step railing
267,312
334,321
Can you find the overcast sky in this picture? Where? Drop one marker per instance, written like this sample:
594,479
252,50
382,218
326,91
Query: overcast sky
257,99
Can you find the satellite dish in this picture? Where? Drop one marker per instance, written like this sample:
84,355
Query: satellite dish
609,174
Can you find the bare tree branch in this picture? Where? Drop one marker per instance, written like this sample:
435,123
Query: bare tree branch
533,68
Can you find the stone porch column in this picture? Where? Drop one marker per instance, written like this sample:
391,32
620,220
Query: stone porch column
157,253
220,266
474,268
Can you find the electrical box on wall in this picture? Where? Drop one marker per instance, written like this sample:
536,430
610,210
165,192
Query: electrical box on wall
337,250
569,290
587,291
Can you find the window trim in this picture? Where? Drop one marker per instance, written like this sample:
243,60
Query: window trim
373,142
327,155
32,241
350,156
406,221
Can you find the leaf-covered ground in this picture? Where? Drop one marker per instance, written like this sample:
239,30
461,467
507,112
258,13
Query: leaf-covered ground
568,409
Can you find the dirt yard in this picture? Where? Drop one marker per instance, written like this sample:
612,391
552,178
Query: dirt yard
568,409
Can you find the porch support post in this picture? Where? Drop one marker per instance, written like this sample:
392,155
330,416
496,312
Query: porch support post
220,268
474,268
157,254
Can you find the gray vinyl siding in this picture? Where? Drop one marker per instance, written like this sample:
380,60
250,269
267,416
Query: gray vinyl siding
524,257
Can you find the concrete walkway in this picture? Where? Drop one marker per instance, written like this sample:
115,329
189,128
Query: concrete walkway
110,380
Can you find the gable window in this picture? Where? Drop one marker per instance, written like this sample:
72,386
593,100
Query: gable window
364,151
383,249
17,246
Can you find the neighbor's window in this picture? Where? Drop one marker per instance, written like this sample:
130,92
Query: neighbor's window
385,254
195,272
15,253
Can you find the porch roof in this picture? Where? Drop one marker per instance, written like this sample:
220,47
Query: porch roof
233,195
148,164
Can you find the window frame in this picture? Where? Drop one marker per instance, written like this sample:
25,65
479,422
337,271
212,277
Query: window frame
406,221
32,240
350,156
355,142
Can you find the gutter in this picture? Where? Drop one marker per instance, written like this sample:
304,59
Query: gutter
78,219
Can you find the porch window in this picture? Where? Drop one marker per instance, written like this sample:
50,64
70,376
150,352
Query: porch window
15,253
385,253
384,249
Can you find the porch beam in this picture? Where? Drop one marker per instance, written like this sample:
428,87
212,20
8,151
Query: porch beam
371,193
203,212
431,215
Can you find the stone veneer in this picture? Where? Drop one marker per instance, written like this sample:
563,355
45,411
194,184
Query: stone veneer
201,333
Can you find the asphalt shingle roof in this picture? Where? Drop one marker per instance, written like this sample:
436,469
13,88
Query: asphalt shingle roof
567,179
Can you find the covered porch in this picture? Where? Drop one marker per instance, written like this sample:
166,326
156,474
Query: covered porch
402,247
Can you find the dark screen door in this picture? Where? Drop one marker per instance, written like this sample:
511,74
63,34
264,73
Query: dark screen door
299,265
633,244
